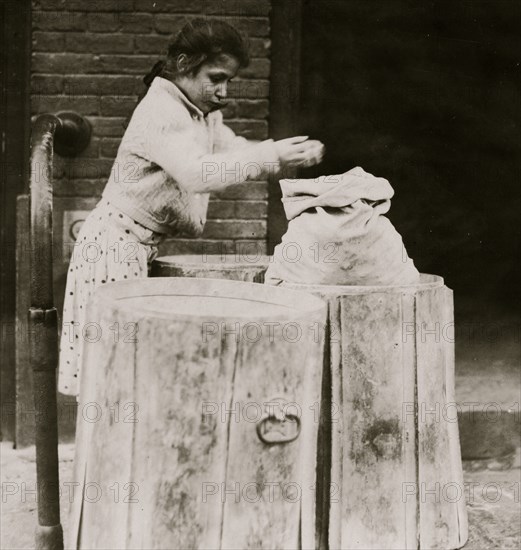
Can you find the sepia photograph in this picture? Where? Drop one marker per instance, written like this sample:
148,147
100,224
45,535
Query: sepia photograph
260,275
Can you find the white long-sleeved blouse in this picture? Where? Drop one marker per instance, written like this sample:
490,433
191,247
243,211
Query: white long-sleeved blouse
172,156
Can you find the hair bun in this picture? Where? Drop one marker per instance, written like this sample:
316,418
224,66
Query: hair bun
156,70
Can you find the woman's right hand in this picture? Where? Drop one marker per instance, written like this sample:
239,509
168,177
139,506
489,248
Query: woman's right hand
299,151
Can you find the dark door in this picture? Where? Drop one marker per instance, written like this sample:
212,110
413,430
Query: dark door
427,95
15,20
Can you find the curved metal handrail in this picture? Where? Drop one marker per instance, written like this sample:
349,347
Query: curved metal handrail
72,134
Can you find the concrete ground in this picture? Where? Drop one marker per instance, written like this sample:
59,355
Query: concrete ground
19,514
494,509
492,497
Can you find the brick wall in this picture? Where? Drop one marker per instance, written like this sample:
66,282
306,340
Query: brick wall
91,56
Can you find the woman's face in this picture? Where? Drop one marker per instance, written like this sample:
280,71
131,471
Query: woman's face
208,88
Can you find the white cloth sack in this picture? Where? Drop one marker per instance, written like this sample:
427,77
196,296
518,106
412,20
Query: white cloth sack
337,234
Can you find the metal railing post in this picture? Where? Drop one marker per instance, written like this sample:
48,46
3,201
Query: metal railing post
72,134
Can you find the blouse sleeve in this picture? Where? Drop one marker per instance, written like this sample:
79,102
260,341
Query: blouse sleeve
226,139
170,144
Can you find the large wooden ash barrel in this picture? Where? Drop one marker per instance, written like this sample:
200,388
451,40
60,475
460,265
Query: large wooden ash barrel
236,267
196,419
396,473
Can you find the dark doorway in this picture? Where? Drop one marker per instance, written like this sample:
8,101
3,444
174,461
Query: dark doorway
15,48
425,94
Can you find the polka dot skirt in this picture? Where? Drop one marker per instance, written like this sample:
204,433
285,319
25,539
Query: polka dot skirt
110,247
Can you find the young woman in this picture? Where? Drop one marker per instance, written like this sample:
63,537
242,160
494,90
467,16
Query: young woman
175,151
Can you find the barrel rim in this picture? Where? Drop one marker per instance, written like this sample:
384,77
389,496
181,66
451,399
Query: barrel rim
300,304
427,281
190,260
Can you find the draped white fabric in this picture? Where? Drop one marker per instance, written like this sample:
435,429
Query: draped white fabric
338,234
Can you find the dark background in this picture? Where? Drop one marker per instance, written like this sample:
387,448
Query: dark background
426,94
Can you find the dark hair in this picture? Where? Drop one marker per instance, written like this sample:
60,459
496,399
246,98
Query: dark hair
202,41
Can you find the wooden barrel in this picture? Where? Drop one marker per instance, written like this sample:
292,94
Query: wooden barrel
196,422
236,267
396,473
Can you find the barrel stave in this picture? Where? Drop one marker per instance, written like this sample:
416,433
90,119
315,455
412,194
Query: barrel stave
375,453
442,513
